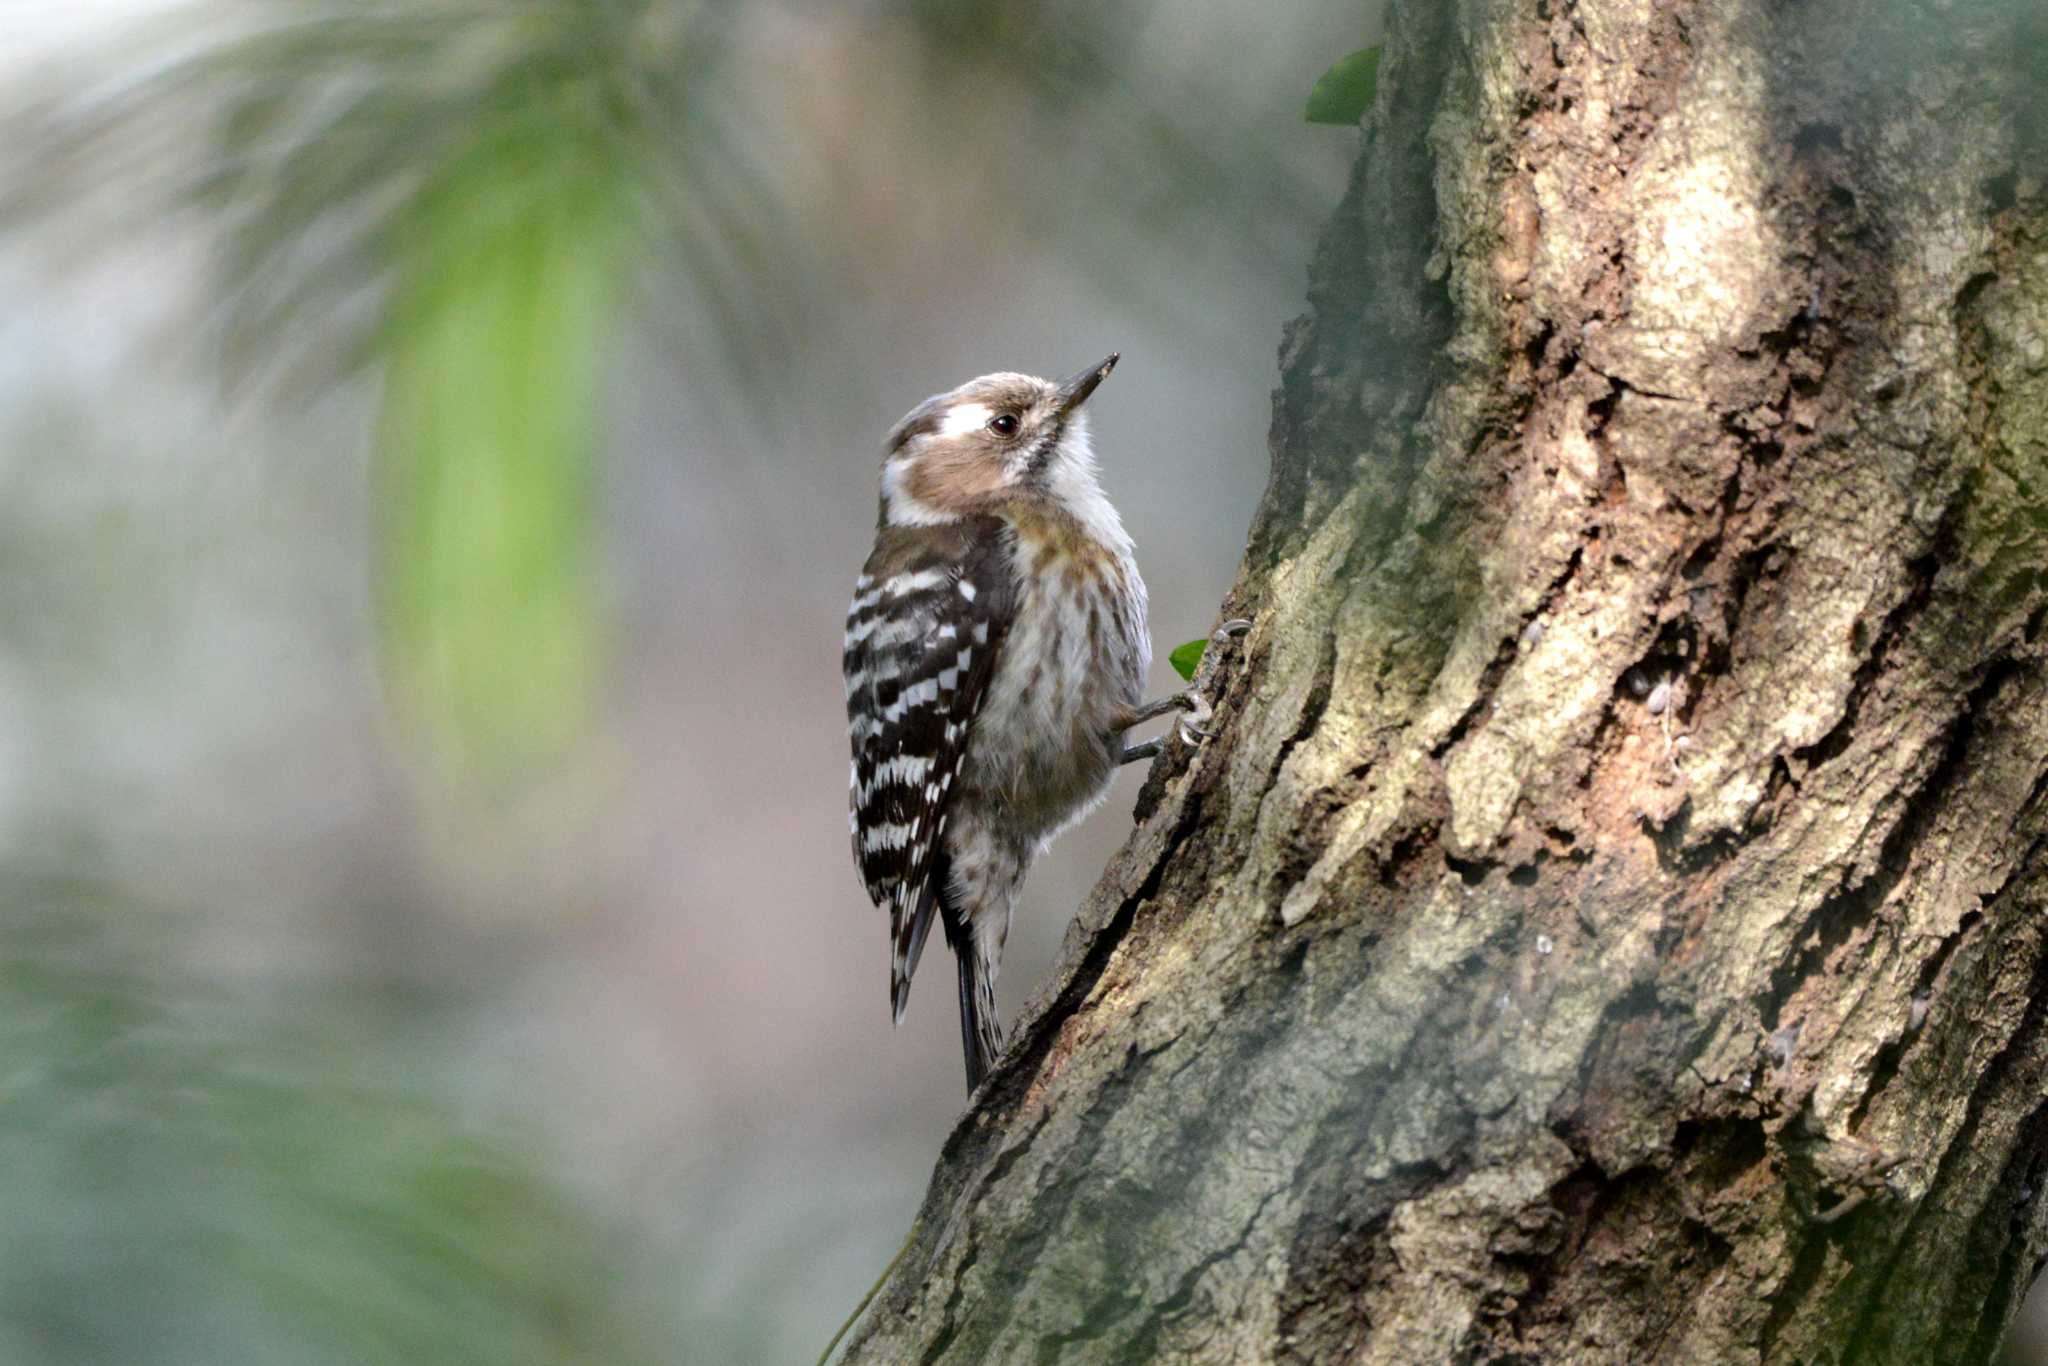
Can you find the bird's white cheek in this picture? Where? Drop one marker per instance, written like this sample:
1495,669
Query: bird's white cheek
905,509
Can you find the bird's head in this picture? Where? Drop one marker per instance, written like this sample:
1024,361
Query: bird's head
994,441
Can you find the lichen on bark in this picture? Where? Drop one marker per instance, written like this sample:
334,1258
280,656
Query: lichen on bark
1607,924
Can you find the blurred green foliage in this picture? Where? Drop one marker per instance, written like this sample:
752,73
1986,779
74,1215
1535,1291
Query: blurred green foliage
201,1173
510,265
460,192
483,162
1187,657
1174,161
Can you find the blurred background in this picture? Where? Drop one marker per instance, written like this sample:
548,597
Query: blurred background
437,440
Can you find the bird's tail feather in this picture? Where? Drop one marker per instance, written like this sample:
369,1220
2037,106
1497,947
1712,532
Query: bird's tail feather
981,1033
910,934
974,1026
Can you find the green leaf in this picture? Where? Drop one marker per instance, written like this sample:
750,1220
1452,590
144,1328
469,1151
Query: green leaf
1345,91
1185,657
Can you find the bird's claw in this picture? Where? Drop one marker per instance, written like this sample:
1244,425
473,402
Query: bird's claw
1194,723
1196,713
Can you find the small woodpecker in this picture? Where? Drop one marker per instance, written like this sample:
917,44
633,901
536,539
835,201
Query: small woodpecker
995,654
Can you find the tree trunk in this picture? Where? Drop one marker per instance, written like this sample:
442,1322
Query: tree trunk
1607,924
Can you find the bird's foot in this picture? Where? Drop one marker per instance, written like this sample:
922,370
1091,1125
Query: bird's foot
1193,723
1195,708
1852,1169
1196,713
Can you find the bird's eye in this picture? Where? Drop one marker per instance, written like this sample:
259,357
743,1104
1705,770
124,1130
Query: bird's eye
1003,424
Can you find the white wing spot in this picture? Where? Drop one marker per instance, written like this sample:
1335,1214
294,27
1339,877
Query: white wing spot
967,592
916,695
907,770
894,632
903,585
887,835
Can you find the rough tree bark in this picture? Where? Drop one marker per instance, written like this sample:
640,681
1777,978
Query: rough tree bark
1608,925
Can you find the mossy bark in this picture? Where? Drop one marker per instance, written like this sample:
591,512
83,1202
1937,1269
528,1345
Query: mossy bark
1607,925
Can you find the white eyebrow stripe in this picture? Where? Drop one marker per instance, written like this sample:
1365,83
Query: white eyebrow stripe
965,418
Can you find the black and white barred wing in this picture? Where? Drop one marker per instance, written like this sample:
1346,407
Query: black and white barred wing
921,638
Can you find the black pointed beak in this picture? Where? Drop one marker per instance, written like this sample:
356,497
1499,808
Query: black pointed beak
1076,390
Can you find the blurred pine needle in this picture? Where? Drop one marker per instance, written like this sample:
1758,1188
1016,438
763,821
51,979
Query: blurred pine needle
509,264
458,194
